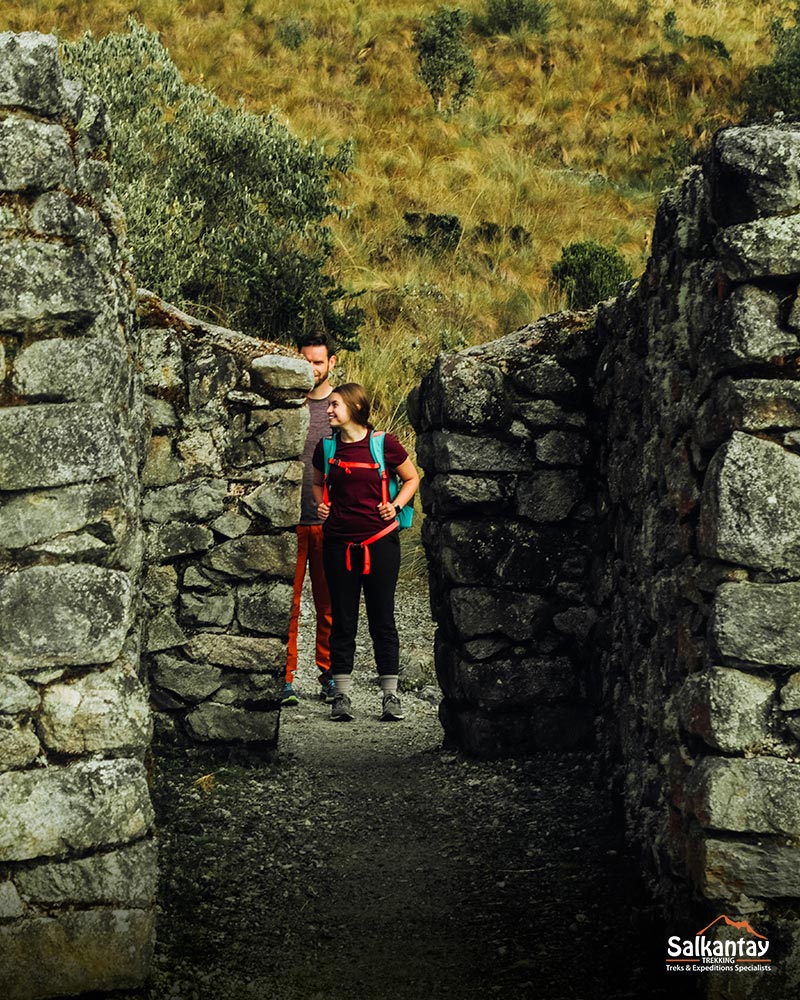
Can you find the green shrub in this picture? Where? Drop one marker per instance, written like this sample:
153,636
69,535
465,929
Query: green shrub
444,62
225,208
291,33
776,86
504,16
589,272
433,233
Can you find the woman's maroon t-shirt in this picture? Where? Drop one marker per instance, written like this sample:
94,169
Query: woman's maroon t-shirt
355,495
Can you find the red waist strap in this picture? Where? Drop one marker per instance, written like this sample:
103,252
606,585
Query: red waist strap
365,546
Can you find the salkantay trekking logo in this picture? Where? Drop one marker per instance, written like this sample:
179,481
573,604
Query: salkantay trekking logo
744,953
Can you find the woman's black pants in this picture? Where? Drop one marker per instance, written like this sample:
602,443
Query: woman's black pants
345,586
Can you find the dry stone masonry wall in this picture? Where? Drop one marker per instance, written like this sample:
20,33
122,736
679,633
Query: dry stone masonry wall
642,487
504,437
149,488
221,496
77,860
698,386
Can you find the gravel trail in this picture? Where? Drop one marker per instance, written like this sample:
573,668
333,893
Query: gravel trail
369,863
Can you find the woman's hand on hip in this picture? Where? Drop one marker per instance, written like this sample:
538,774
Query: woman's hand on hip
387,511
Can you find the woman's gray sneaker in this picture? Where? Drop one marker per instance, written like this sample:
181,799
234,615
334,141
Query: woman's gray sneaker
392,710
341,709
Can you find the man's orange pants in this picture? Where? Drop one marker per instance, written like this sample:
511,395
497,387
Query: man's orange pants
309,553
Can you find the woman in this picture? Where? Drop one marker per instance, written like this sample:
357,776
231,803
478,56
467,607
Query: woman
360,548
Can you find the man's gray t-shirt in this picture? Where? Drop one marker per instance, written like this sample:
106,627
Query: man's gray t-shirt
318,428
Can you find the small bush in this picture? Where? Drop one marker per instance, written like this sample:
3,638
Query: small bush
504,16
291,33
433,233
776,86
444,61
589,273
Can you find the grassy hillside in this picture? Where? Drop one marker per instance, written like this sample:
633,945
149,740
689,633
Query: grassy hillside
570,135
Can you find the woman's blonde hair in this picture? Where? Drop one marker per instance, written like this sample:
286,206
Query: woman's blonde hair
355,398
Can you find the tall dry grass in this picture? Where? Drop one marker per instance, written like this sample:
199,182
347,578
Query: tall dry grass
570,136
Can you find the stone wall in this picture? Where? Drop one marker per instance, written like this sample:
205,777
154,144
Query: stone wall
77,859
697,386
675,412
504,435
221,497
149,488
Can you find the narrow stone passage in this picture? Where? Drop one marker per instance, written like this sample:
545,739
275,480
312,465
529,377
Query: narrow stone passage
370,863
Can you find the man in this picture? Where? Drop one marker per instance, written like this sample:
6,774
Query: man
318,349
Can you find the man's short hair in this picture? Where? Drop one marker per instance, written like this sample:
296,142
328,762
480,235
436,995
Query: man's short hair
317,340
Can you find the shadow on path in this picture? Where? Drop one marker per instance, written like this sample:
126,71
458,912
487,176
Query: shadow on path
367,863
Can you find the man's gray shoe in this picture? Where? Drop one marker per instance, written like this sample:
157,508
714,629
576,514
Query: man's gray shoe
341,709
392,710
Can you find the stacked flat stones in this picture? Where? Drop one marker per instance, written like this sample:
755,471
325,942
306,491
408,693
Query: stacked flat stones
77,862
685,441
504,439
221,496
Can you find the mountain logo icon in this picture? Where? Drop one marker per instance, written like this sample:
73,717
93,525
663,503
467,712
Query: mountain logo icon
739,925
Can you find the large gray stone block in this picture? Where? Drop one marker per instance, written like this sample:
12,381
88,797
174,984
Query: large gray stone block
274,371
92,369
279,434
463,392
48,285
757,623
728,709
39,515
256,555
190,681
196,500
265,608
54,811
34,156
456,492
753,795
747,405
503,553
445,452
207,609
55,444
750,512
240,652
124,878
548,494
160,360
508,685
19,746
16,695
758,170
31,76
102,711
761,249
748,329
731,868
479,611
213,722
63,615
76,952
174,539
790,694
277,499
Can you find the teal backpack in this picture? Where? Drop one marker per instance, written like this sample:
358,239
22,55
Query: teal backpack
390,482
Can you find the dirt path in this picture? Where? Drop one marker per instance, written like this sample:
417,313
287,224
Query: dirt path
368,863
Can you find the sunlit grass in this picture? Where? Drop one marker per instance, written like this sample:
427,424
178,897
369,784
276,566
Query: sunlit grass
570,136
